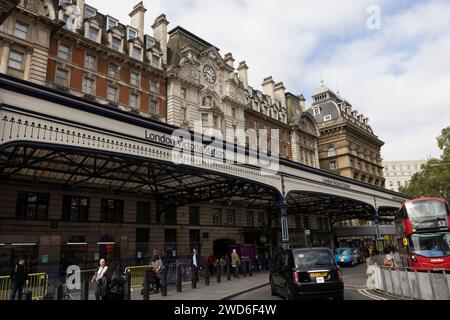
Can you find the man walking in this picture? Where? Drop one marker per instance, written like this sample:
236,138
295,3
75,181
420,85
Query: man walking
19,276
196,265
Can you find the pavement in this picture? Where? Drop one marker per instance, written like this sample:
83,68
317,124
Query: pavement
225,290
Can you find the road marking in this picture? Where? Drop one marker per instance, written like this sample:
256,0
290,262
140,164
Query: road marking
367,294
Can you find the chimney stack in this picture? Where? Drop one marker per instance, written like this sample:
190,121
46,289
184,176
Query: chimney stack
229,60
268,87
280,93
302,102
160,34
138,19
243,73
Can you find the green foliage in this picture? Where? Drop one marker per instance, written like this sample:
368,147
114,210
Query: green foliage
434,179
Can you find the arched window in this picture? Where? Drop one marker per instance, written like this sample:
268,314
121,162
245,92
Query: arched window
331,152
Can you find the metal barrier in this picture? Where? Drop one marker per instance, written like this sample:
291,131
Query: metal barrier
37,285
137,275
408,284
5,288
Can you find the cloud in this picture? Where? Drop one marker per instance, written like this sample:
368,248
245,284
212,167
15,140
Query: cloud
397,76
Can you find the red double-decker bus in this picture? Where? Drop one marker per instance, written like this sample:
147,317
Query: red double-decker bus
423,234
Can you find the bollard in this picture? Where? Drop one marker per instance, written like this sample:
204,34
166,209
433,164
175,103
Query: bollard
128,286
146,290
207,276
163,283
244,269
59,293
85,290
179,280
250,273
194,278
219,273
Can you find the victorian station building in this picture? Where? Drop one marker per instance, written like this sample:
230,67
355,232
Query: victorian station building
60,208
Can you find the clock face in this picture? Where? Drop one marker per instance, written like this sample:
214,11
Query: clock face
209,74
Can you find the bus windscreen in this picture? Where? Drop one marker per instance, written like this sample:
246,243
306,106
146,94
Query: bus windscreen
427,214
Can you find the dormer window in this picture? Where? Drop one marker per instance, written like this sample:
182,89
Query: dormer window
116,43
131,33
327,118
136,53
111,23
21,30
155,60
93,34
316,111
89,12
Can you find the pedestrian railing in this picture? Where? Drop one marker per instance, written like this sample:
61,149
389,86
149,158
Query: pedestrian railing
5,288
37,285
406,283
137,275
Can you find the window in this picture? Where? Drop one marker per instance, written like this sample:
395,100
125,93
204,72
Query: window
217,217
155,60
171,216
62,77
88,86
112,211
90,62
215,122
154,107
89,12
134,101
143,212
233,113
134,79
111,22
331,152
316,111
183,113
327,118
231,217
112,94
194,216
75,209
333,165
21,30
63,52
154,86
261,219
16,60
116,43
205,120
137,53
32,206
250,219
131,33
66,18
183,94
113,70
93,33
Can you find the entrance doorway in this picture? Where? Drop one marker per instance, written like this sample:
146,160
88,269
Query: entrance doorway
221,247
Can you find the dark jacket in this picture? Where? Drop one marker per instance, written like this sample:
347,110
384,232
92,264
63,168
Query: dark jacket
19,274
117,283
199,260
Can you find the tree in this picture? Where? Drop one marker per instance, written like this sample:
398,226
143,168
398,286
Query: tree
434,179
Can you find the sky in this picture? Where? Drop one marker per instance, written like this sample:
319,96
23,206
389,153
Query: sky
389,59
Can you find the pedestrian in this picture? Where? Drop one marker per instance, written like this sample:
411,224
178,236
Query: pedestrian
195,265
19,277
210,263
100,279
389,260
116,287
156,266
235,262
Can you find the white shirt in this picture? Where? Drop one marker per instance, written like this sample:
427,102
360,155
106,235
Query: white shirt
101,272
194,260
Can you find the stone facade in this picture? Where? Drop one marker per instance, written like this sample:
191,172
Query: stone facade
347,144
203,86
399,173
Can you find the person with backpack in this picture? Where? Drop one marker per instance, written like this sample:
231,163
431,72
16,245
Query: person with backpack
116,285
19,277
